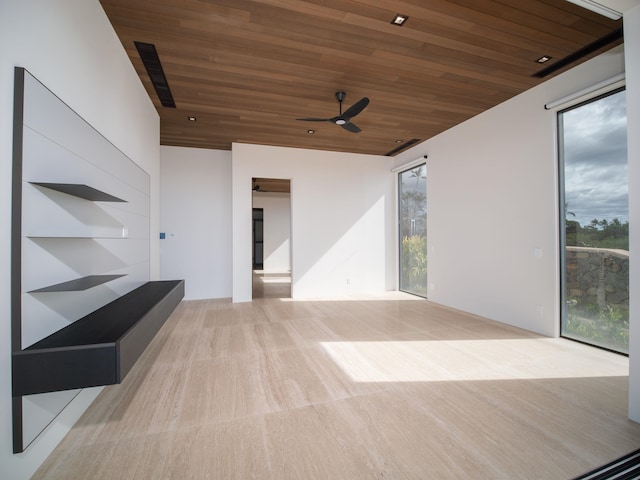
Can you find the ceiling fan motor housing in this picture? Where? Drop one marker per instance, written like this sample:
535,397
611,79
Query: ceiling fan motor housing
344,119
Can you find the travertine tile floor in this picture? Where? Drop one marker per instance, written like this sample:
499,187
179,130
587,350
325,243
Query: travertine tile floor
270,284
380,387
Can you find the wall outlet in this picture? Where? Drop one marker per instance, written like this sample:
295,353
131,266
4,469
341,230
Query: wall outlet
540,310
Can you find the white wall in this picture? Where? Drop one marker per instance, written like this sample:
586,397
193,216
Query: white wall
195,206
620,6
342,211
276,230
70,46
632,55
493,201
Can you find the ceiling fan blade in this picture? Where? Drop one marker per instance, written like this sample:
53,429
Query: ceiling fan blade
356,108
314,119
352,127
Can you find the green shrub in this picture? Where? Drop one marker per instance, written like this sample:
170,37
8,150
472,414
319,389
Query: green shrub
607,327
414,263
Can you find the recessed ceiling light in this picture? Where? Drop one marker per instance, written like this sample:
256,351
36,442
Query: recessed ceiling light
399,19
192,119
544,59
399,140
311,132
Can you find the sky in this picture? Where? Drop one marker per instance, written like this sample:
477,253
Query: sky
595,160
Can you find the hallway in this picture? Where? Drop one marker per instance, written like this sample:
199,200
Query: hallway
271,285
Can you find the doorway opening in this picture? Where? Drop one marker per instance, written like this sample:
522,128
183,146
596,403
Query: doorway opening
271,217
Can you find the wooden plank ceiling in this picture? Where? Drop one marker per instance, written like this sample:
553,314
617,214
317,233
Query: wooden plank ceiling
246,69
271,185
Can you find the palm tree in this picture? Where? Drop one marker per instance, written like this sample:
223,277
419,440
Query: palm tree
567,212
417,174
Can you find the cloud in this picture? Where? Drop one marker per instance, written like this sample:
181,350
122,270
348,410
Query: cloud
595,160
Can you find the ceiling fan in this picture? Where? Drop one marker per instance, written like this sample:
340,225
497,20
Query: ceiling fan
344,119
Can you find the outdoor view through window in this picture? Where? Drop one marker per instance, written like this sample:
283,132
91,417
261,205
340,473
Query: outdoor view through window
412,190
595,270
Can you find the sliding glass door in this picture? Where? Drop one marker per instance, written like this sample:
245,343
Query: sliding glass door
595,222
412,191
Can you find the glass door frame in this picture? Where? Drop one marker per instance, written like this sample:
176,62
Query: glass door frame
562,217
399,173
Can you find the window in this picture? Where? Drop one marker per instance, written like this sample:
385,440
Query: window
412,191
595,222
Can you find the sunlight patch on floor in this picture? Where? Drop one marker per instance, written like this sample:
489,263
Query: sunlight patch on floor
464,360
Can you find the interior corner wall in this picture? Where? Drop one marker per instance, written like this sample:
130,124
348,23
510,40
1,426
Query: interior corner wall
276,230
492,194
342,217
195,216
632,64
70,46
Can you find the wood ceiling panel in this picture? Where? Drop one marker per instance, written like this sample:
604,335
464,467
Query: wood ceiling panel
271,185
247,68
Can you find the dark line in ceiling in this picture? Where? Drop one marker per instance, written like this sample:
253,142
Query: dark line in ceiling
583,52
404,146
151,61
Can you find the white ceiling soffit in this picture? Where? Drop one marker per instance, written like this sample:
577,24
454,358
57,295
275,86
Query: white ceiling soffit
622,6
599,7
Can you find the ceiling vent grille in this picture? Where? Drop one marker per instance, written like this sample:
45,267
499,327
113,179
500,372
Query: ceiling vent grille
581,53
151,61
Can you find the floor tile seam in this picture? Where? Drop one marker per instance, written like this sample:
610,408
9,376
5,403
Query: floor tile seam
246,354
300,344
280,409
184,428
115,440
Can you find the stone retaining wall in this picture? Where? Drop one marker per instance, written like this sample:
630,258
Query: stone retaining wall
597,276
